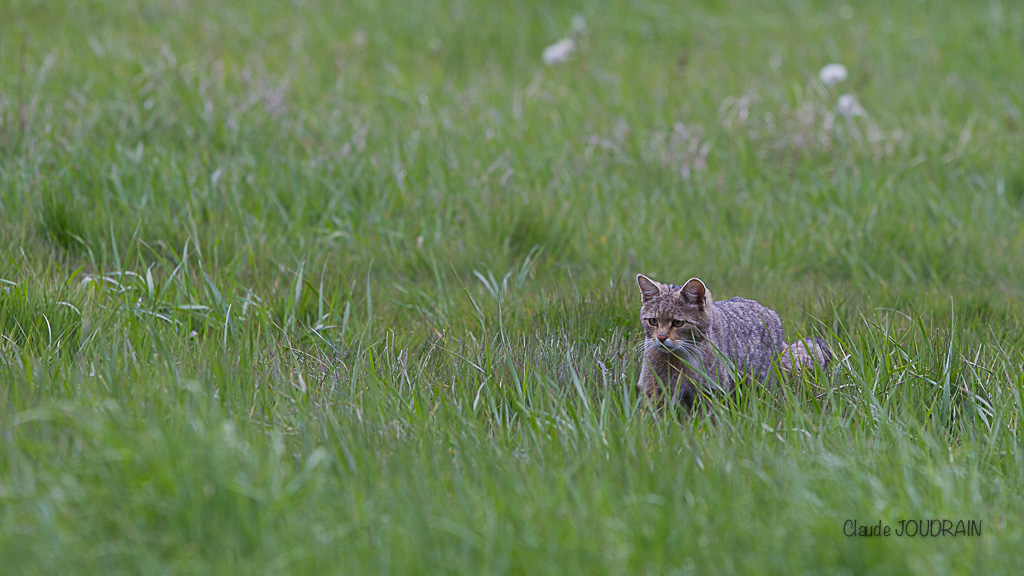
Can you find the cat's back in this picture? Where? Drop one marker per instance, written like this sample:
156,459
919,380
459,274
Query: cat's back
741,322
750,335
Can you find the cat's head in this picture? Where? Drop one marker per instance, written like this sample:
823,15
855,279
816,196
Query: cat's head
674,317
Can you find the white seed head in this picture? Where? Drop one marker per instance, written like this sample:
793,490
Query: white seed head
559,51
832,74
578,26
847,106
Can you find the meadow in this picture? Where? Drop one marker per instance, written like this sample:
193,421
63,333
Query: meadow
349,287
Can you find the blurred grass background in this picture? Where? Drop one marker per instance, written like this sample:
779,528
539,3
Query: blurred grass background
348,287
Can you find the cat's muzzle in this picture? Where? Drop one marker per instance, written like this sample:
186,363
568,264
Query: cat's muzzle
669,347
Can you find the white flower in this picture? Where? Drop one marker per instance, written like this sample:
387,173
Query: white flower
832,74
559,51
847,106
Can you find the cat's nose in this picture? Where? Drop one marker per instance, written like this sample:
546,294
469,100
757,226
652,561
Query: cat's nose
662,337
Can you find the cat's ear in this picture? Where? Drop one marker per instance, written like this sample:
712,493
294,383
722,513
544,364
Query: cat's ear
648,288
695,292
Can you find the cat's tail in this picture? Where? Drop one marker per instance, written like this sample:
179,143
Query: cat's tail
804,354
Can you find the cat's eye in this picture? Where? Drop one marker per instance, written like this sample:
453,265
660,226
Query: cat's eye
652,321
678,323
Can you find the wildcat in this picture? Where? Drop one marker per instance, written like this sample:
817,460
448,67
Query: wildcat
693,345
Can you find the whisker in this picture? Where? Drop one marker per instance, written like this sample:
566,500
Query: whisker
637,350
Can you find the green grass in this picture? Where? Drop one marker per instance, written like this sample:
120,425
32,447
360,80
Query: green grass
313,287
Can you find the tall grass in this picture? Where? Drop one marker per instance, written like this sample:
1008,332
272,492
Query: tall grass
310,287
